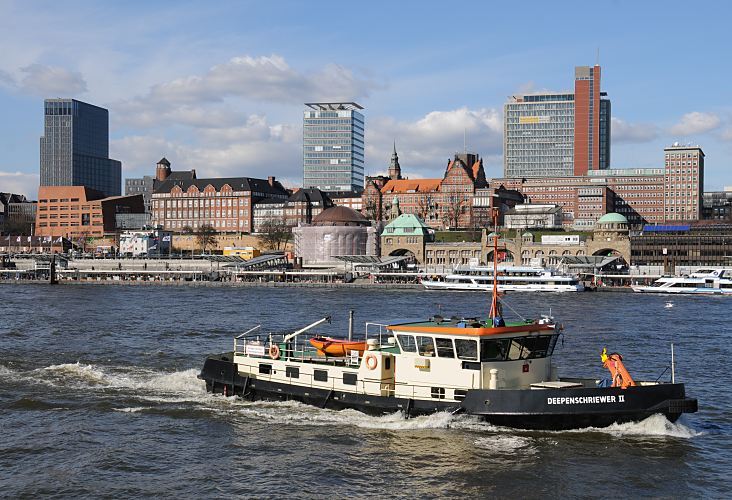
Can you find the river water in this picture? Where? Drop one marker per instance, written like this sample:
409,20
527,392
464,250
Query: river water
99,397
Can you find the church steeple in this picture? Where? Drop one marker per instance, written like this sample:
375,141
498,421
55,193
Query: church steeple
395,171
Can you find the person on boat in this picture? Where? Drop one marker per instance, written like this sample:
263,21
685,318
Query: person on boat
498,320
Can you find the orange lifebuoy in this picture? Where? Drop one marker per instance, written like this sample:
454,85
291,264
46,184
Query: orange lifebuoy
371,361
274,352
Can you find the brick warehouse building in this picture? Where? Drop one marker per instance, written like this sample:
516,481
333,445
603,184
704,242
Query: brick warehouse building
642,195
224,203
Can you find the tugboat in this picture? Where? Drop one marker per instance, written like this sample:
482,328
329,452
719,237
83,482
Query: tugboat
500,371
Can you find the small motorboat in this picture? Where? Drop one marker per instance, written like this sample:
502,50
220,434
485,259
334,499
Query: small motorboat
328,346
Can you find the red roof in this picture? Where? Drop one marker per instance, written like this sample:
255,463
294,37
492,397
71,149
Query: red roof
411,186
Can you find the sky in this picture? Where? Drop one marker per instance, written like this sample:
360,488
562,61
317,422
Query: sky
220,86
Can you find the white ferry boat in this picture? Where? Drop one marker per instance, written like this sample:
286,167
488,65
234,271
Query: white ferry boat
496,370
510,279
703,281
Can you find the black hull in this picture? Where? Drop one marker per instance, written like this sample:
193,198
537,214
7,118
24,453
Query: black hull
545,409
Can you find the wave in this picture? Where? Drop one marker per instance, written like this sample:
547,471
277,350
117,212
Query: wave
654,426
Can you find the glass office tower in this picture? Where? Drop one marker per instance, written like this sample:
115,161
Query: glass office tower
75,147
333,146
552,134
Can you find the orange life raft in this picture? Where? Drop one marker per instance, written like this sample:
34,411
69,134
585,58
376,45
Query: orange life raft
328,346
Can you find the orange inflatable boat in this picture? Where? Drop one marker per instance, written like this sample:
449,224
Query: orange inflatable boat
328,346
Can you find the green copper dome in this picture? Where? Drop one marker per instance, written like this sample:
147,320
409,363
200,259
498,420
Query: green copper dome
612,218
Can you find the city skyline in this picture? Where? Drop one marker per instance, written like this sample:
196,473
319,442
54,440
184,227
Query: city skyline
228,101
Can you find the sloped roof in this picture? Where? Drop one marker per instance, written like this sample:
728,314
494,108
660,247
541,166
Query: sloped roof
311,195
340,216
236,183
411,185
406,225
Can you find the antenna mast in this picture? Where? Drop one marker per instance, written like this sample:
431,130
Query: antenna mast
495,308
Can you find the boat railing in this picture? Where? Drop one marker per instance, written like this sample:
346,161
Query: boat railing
295,349
377,331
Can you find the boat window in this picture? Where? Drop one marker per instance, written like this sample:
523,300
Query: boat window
265,369
460,394
466,349
292,372
426,346
387,363
438,392
494,350
444,348
320,375
407,342
350,378
541,346
531,347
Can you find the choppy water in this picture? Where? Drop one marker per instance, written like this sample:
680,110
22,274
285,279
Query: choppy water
99,397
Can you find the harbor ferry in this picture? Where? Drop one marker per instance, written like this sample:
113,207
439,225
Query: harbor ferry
498,370
510,279
701,282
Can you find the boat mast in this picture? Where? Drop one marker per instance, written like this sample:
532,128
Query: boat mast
495,313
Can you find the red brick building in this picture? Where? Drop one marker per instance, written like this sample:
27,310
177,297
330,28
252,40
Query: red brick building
78,211
458,199
642,195
224,203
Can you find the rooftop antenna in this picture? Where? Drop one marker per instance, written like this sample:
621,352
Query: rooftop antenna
598,56
465,140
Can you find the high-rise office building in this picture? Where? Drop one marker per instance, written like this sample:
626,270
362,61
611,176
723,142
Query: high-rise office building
333,146
684,182
75,147
558,134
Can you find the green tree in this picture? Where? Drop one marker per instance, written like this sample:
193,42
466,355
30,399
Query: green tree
274,234
206,237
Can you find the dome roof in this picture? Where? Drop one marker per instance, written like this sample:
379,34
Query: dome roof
612,218
340,216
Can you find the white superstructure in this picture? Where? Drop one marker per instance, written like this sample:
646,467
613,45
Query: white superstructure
510,279
703,281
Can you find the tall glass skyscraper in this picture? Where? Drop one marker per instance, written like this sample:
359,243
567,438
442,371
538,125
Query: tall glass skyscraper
75,147
558,134
333,146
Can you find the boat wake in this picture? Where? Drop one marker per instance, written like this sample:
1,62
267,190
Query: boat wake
179,386
653,426
150,386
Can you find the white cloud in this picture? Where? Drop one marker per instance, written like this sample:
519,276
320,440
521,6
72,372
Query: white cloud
623,132
256,149
20,183
52,81
726,134
425,145
263,78
696,122
6,79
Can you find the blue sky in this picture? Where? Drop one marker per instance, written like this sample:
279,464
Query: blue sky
219,86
